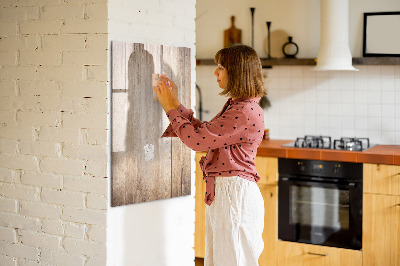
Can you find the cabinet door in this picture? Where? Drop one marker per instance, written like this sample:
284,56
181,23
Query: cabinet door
297,254
267,168
200,207
270,233
381,230
381,179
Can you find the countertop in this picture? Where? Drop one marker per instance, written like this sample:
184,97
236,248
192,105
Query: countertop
379,154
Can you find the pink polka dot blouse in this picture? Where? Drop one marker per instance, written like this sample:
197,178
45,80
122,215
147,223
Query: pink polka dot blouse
231,139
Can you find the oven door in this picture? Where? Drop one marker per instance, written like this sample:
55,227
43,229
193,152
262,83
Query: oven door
321,212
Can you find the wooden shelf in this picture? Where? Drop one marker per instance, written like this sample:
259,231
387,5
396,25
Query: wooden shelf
312,61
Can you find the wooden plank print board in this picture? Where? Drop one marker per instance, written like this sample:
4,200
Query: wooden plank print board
144,166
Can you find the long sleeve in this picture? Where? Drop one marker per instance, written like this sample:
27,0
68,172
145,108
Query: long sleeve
224,130
188,114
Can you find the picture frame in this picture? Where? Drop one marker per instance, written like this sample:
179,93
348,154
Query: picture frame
381,37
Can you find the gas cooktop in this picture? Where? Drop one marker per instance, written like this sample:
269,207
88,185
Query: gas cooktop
325,142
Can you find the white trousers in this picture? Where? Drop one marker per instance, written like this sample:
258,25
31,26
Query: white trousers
234,223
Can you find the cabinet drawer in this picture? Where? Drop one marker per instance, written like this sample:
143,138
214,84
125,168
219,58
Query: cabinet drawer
294,254
267,168
381,179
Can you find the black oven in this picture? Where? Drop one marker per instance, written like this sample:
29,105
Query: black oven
320,202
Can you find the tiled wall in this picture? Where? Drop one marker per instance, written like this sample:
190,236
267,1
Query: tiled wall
338,104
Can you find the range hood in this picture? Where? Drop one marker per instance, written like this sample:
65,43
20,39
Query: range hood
334,51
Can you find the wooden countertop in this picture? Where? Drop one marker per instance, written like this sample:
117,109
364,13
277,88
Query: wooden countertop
379,154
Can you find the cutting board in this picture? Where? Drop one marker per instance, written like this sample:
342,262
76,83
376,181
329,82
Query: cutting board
232,35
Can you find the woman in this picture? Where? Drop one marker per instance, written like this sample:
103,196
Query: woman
235,208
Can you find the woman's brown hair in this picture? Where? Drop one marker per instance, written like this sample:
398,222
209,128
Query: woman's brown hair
245,78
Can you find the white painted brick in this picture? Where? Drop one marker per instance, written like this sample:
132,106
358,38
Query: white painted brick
98,169
96,137
61,259
98,73
53,227
86,184
60,73
8,205
97,234
87,88
39,58
30,2
7,88
8,234
35,239
17,132
18,191
18,250
64,42
19,221
7,117
63,197
73,105
41,179
39,87
84,247
8,146
85,26
85,216
40,148
68,135
62,166
88,57
39,118
18,72
19,43
75,230
38,209
85,152
62,12
7,175
19,13
8,58
8,261
17,161
85,121
97,11
40,27
25,103
98,42
99,260
94,201
25,262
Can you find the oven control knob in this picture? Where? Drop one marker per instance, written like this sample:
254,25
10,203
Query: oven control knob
336,169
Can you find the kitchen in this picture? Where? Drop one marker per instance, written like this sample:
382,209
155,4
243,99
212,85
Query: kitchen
304,102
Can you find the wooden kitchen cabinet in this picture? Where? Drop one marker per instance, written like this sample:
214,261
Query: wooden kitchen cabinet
381,179
381,215
298,254
267,168
200,207
381,230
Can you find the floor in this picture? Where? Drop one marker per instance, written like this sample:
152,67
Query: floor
199,262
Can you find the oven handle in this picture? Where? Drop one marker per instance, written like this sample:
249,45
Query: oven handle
297,181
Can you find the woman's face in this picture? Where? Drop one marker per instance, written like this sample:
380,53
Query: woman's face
222,76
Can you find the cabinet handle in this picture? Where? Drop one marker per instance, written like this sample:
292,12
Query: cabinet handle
318,254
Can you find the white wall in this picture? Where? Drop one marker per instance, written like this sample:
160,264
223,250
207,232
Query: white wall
159,232
53,109
338,104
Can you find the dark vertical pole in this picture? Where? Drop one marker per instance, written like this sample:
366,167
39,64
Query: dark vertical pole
252,9
269,38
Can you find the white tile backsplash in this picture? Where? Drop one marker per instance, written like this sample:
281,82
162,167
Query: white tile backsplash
364,103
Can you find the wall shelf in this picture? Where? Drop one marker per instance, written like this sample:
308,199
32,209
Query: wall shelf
312,61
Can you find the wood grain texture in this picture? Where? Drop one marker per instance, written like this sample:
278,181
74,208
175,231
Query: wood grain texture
381,179
200,207
267,168
144,166
381,230
298,254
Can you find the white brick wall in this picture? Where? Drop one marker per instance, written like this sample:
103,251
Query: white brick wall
53,145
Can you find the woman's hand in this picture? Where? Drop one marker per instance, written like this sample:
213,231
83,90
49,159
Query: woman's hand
164,95
174,90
